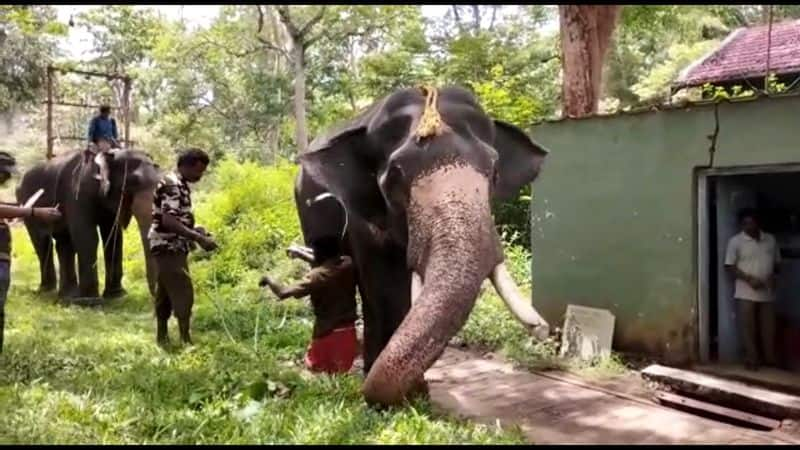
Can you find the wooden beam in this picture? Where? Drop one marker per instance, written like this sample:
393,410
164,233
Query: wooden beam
720,391
49,112
78,105
128,144
126,104
673,399
108,76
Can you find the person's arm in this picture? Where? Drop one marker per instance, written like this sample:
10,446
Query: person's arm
772,281
114,131
173,225
731,258
314,280
170,203
90,134
14,212
298,290
303,253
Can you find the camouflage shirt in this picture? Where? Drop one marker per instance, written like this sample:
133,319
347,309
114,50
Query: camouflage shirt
172,196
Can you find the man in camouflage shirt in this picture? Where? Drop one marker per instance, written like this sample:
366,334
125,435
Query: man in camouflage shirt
172,236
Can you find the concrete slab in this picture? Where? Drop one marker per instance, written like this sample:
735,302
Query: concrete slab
550,411
732,394
767,377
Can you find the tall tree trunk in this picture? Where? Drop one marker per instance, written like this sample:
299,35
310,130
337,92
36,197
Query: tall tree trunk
586,32
301,130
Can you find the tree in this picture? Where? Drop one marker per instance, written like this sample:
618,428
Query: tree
586,32
122,38
302,34
26,48
305,28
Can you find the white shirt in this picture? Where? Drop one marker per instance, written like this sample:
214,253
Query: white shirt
756,258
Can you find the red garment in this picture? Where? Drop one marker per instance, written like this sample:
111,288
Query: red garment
333,352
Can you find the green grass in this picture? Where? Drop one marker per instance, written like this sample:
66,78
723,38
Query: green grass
94,375
78,375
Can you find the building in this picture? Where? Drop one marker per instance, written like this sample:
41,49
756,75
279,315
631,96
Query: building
632,212
741,59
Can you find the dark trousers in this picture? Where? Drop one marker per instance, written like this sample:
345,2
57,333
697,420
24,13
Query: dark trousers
757,322
174,292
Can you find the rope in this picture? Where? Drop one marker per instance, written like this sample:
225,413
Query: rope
431,123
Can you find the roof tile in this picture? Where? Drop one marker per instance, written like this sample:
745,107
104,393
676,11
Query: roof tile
744,55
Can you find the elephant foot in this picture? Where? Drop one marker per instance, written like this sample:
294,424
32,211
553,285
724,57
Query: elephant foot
183,326
420,389
46,289
84,301
162,337
69,293
113,293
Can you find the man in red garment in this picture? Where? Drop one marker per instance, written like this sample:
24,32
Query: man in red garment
331,286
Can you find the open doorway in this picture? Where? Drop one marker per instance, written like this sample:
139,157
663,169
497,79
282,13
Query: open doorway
773,193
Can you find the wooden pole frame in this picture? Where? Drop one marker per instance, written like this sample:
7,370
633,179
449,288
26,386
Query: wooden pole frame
125,104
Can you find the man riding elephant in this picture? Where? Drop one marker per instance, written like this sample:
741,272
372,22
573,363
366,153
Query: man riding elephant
70,181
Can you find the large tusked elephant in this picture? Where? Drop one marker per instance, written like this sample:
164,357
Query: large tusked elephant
417,188
69,181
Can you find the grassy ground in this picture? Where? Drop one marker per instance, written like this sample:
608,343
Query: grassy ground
78,375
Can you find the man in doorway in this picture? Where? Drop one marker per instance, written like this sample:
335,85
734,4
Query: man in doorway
753,258
172,236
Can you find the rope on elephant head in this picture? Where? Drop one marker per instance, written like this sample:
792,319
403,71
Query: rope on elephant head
431,123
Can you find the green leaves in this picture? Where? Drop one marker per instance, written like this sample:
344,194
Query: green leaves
26,48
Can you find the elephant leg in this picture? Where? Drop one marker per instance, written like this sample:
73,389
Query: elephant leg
83,233
112,254
68,279
382,275
43,245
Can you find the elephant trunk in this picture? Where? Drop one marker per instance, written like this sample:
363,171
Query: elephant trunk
142,207
452,245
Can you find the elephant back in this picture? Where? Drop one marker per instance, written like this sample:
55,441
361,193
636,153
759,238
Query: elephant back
58,178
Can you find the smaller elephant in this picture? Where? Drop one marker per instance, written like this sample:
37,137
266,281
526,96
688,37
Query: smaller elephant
69,181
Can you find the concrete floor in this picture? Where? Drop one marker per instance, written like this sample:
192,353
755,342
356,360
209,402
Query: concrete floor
552,411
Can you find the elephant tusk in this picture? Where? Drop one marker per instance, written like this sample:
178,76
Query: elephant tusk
516,303
416,286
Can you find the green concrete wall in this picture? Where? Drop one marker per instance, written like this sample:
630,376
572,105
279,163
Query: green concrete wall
613,214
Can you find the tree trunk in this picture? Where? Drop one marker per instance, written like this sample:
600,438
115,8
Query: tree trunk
301,131
586,32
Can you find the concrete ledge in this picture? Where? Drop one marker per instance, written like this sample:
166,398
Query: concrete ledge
728,393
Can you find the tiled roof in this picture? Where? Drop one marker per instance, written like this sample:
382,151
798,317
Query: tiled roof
743,54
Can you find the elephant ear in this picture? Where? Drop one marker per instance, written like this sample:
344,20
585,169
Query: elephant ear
342,164
519,159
